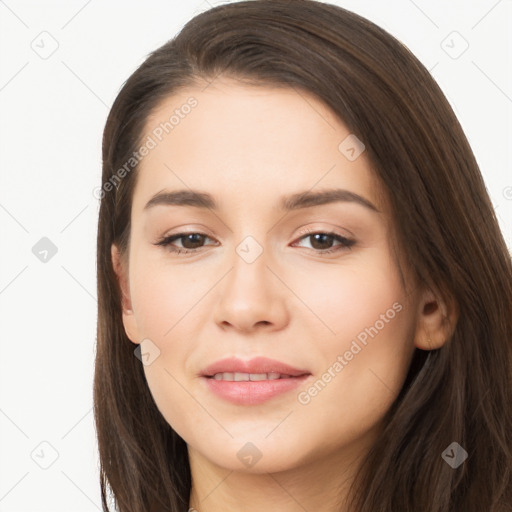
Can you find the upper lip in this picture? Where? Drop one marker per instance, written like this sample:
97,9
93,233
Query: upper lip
255,365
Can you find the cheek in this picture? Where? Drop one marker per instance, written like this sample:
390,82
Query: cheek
350,297
366,355
166,302
163,297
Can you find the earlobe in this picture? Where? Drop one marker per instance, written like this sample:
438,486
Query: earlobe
130,327
121,271
436,321
122,278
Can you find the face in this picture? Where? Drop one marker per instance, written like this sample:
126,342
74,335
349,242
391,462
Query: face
264,270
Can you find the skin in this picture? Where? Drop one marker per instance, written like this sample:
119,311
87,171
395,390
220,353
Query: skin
248,146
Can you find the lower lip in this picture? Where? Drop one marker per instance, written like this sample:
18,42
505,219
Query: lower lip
252,392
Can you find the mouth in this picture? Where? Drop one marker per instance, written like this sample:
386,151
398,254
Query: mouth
258,368
252,377
251,382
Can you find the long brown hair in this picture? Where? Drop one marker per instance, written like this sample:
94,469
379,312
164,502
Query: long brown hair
445,227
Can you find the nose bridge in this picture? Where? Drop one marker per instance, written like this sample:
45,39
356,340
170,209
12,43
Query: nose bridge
251,293
249,267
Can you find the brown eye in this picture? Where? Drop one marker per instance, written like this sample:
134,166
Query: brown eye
323,242
190,242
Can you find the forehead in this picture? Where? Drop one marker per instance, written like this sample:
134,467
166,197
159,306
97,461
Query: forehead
235,140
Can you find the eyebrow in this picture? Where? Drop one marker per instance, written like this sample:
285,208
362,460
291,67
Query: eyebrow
296,201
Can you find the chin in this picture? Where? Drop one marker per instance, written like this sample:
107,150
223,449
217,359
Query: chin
258,457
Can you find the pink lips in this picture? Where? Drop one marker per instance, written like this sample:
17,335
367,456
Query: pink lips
256,365
252,392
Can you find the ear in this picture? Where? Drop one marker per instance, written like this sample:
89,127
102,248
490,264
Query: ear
436,320
120,265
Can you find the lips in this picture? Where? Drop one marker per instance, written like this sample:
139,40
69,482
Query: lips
255,367
252,382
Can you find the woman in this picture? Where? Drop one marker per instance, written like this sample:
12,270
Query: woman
303,289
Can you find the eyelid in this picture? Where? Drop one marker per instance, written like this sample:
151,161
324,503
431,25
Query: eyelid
199,229
165,240
345,242
302,233
338,231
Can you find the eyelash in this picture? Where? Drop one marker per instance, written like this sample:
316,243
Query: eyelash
345,243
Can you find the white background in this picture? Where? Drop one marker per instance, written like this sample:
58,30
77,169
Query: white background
53,112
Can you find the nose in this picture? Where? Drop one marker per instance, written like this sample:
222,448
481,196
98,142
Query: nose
252,297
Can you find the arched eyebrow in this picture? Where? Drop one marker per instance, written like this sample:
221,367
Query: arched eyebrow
306,199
